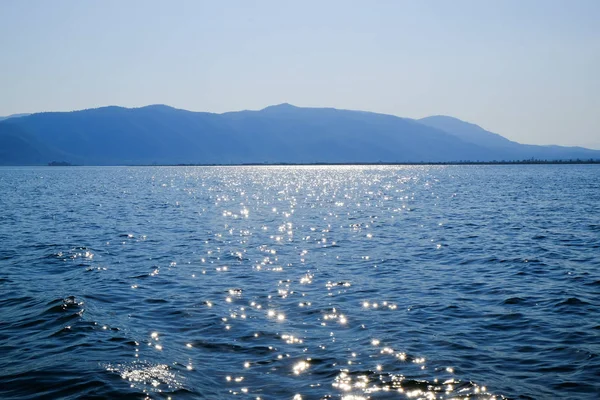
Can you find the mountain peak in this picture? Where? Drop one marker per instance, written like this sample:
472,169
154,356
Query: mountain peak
282,106
157,107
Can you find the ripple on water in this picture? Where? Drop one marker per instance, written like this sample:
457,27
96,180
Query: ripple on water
147,376
350,282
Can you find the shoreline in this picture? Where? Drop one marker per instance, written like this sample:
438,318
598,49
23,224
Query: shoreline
525,162
282,164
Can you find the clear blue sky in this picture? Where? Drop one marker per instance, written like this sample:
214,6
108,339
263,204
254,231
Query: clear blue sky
527,69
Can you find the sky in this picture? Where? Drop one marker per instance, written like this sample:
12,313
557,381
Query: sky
527,69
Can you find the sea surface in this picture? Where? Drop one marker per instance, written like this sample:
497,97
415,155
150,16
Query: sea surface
300,282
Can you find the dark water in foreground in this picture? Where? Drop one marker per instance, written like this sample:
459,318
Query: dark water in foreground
300,282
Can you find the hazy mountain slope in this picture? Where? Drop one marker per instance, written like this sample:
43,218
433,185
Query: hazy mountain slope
18,147
114,135
276,134
506,149
466,131
13,116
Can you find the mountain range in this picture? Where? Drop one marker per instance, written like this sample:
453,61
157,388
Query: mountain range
284,133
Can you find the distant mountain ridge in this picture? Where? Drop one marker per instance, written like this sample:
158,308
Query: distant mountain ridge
159,134
466,131
13,116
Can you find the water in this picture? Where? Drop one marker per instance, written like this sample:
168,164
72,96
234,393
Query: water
345,282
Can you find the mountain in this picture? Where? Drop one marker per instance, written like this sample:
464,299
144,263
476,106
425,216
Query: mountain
277,134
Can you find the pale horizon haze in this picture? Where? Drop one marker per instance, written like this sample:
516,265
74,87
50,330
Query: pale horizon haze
528,70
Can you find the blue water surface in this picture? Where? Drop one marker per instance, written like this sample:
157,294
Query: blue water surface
300,282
